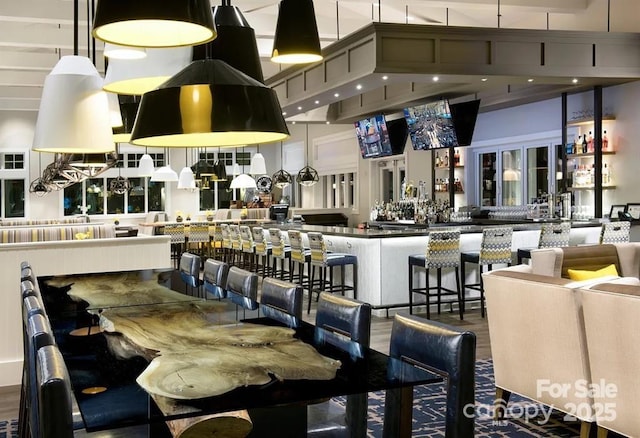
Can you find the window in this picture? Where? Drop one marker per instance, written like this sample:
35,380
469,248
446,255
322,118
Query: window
338,191
14,161
226,158
13,195
134,159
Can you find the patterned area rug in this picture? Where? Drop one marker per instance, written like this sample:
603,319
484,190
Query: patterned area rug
525,418
9,428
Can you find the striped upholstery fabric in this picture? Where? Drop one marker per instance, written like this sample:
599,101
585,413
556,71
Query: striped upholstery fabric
298,251
318,249
226,236
260,242
496,246
246,239
176,232
554,235
48,234
61,221
198,232
278,243
443,249
615,232
234,234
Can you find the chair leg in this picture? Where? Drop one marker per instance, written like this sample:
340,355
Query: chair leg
439,287
500,403
355,282
482,292
410,289
463,288
460,298
313,274
426,293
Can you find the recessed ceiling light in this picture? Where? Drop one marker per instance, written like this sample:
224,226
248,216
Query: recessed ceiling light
284,113
299,108
317,102
530,80
328,122
293,123
385,77
484,79
574,80
336,94
436,78
358,87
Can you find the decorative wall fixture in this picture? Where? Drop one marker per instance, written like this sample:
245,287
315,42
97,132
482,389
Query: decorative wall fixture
150,23
296,40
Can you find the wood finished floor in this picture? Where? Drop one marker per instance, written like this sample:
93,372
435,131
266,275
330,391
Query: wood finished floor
380,333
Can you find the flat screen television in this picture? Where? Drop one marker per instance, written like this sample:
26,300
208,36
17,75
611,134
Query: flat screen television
373,137
278,212
398,133
464,115
431,126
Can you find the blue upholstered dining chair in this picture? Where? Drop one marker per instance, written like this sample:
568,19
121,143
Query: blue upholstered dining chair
214,278
190,271
281,301
443,350
242,289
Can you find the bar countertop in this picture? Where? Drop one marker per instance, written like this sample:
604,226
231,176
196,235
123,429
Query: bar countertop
380,230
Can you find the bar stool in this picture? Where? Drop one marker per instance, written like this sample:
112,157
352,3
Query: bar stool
236,245
615,232
262,249
248,248
300,256
198,238
495,248
215,242
178,239
280,250
324,259
227,246
551,236
443,251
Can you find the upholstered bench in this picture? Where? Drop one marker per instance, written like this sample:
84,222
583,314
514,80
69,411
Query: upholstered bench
54,233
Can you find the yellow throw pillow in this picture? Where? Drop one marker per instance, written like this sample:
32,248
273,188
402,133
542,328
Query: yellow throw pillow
578,275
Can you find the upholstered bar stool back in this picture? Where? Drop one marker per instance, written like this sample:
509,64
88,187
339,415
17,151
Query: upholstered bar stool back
54,394
215,241
551,236
227,246
198,239
495,249
323,259
242,288
262,248
280,250
190,271
443,349
215,278
248,250
443,251
176,233
236,245
281,301
615,232
300,256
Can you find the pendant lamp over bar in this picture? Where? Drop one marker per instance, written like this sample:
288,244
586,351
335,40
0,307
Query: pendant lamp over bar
137,76
145,165
209,103
258,165
152,23
186,180
115,51
236,42
296,40
165,173
128,110
307,176
74,111
282,178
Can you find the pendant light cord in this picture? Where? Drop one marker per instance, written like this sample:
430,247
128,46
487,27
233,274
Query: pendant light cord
75,27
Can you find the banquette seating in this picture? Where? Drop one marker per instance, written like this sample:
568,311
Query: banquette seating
545,327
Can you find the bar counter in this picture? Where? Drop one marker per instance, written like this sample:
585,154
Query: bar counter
383,254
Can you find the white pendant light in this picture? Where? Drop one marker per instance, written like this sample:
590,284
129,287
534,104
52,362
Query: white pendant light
236,170
115,116
258,166
164,174
243,181
74,111
115,51
186,180
145,165
138,76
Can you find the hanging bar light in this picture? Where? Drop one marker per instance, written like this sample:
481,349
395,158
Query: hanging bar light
150,23
296,40
115,51
307,176
128,111
165,173
145,165
258,165
282,178
186,180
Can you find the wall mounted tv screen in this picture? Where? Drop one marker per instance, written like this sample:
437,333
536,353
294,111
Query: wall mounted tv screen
464,115
431,126
373,137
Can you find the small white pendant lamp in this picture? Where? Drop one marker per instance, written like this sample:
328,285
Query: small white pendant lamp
243,181
258,166
187,180
165,173
74,111
145,165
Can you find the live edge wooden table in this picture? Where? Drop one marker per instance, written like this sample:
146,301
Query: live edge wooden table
120,364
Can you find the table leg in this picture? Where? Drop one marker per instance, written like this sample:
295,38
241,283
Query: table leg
398,408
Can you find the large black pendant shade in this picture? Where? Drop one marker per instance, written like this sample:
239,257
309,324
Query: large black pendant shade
236,42
296,40
209,103
128,110
153,23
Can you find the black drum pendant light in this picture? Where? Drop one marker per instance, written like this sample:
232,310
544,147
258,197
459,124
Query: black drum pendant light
128,110
236,42
153,23
209,103
296,40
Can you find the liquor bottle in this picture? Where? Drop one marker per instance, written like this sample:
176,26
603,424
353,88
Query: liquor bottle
606,175
584,144
592,175
446,159
590,143
605,141
456,158
438,163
